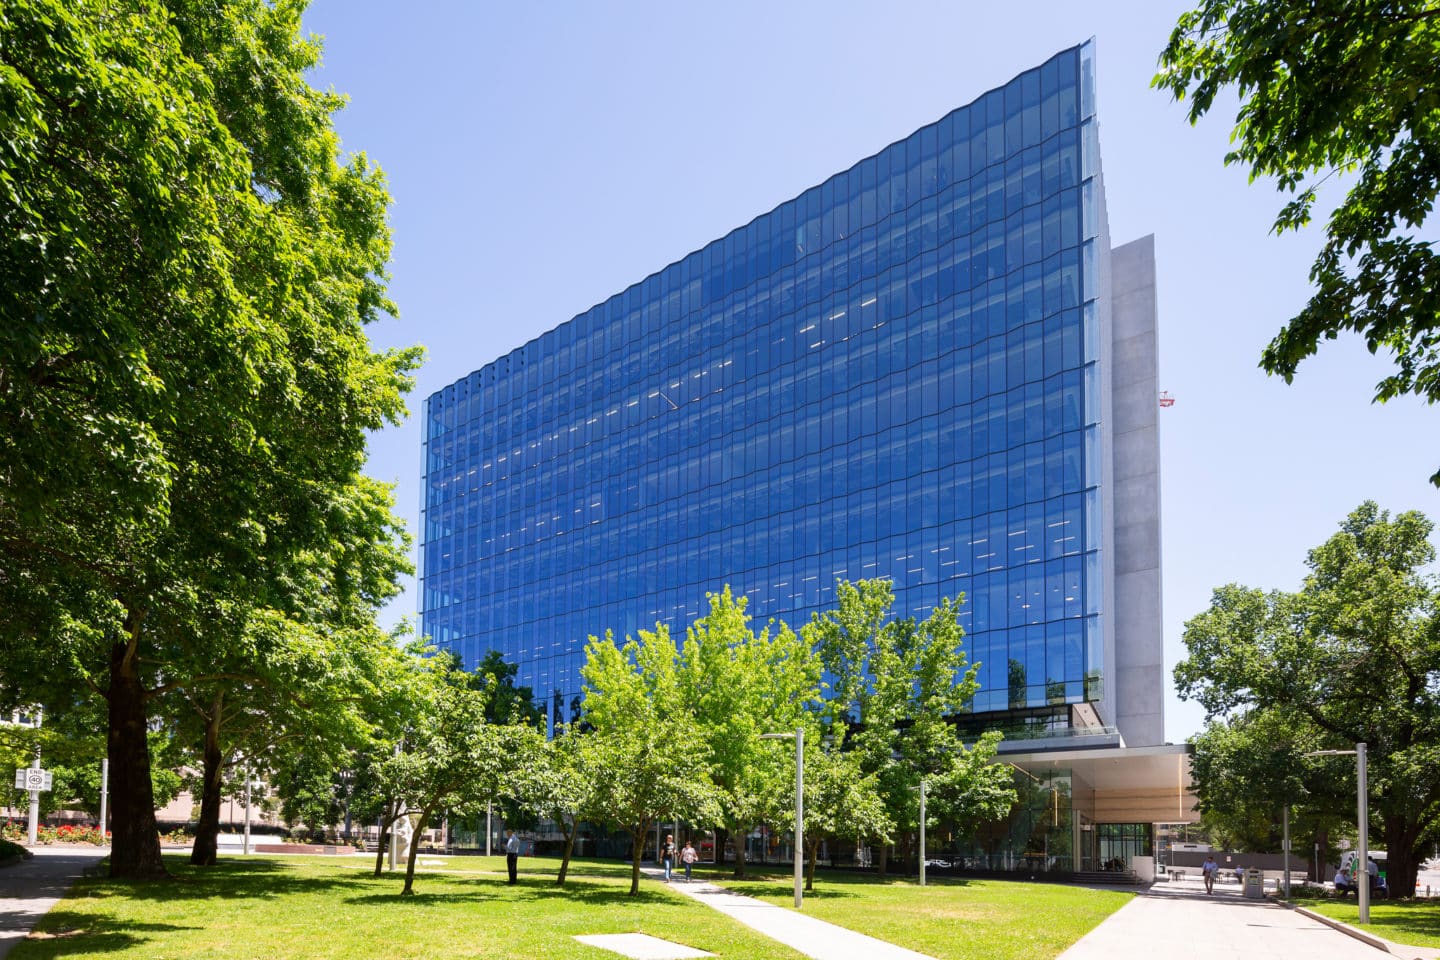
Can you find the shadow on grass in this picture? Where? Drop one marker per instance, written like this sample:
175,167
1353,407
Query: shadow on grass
589,892
419,898
64,933
768,888
440,888
227,880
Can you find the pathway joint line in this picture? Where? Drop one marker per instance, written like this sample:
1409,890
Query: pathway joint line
801,932
641,946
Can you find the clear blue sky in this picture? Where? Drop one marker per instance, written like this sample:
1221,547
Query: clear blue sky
545,156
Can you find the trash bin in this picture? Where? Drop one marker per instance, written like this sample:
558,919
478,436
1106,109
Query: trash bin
1254,884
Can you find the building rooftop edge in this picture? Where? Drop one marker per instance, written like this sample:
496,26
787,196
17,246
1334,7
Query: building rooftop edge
764,213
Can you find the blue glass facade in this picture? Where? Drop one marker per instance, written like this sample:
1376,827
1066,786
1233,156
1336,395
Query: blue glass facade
896,374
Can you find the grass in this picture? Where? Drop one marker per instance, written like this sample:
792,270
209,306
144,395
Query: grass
951,919
281,907
1412,922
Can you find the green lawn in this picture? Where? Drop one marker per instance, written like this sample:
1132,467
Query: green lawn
1413,922
950,919
281,907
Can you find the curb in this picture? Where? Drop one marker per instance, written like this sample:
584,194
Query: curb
1379,943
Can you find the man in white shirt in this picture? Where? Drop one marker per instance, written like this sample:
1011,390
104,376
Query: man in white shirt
512,854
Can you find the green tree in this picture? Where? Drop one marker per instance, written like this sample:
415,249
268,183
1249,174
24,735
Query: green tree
1250,765
300,668
895,685
842,802
559,788
1349,658
1333,87
72,750
451,751
643,740
738,685
185,383
506,702
405,693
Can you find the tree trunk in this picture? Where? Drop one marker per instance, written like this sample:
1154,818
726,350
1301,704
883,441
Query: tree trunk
415,848
884,863
207,830
1401,864
387,820
134,838
721,835
573,828
735,831
1322,840
637,848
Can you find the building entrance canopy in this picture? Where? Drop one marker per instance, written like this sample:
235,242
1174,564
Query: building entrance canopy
1123,785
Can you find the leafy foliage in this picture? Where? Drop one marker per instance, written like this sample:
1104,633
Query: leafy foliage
645,749
894,686
1349,658
1333,87
185,382
738,685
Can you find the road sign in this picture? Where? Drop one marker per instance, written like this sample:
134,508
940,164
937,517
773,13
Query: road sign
33,778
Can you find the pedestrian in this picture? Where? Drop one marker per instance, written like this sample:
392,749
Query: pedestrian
1208,870
1239,874
688,856
667,855
512,854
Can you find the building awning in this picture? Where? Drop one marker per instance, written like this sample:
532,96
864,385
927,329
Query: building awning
1124,784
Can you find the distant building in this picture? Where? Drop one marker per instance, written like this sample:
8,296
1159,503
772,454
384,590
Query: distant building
932,367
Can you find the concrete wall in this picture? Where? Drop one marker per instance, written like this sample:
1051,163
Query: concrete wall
1137,670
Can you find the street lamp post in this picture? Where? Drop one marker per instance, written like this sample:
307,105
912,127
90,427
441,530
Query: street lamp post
104,794
799,737
1362,866
247,809
347,778
922,833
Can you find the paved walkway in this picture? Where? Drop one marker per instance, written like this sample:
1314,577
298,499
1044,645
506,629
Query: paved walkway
1178,921
29,889
812,937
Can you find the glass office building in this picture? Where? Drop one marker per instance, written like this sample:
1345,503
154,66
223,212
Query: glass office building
907,372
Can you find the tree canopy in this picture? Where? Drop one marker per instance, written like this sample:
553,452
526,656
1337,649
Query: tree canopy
895,685
1351,657
738,684
185,381
1336,87
644,739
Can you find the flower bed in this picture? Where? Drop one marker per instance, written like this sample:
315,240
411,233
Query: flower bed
17,832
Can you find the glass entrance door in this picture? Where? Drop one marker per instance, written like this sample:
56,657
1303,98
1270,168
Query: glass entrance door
1117,843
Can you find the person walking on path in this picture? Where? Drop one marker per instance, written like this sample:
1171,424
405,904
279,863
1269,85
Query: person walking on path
1207,870
512,855
667,855
688,856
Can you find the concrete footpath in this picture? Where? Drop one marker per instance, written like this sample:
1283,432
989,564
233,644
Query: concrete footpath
1178,921
29,889
812,937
